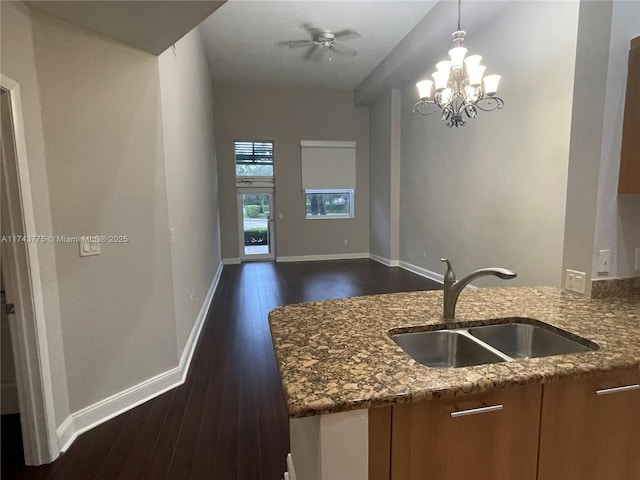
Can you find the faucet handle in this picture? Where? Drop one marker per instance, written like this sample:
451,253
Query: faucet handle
449,276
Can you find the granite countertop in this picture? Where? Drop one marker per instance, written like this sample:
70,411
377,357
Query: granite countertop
336,355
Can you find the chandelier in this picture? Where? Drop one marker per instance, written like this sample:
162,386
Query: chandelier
461,88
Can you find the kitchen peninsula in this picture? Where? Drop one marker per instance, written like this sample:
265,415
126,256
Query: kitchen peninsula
349,387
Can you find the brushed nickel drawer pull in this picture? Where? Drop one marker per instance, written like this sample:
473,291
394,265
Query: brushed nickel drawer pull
473,411
626,388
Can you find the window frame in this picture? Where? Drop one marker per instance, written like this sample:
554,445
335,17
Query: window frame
352,197
254,178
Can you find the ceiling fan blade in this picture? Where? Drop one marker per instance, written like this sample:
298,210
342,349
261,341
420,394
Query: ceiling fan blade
342,50
310,53
346,34
300,43
313,31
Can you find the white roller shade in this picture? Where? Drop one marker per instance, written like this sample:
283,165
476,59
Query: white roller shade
328,165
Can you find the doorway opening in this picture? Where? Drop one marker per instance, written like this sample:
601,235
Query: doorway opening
255,187
23,285
257,235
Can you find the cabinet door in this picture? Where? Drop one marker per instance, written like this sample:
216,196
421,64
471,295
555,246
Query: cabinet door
591,429
492,436
629,180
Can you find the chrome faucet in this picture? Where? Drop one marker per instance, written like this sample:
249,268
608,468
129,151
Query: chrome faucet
452,289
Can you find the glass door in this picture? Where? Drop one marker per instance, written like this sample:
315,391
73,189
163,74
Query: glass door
255,219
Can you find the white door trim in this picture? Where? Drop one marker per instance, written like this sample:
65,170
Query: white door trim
35,390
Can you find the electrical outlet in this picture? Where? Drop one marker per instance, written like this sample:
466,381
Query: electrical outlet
424,254
637,267
346,242
192,297
604,261
575,281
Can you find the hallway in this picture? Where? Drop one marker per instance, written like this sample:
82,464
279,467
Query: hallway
228,421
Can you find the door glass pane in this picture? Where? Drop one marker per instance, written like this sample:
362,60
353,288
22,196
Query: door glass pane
255,218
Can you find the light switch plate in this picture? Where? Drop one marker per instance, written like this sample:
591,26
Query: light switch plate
89,246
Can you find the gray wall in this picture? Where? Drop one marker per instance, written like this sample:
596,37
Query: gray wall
384,175
287,115
18,63
118,142
379,177
493,192
186,92
586,135
103,136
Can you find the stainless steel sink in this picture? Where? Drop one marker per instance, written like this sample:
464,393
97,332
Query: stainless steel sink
521,340
444,349
515,339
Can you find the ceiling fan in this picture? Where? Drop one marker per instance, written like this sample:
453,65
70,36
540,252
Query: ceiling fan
325,41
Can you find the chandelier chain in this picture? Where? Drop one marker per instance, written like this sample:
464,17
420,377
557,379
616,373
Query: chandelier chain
459,13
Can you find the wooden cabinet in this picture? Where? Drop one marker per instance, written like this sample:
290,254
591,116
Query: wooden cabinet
579,429
629,182
490,436
590,429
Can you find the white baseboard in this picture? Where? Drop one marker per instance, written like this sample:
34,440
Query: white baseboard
384,261
231,261
290,468
66,433
423,272
99,412
192,341
314,258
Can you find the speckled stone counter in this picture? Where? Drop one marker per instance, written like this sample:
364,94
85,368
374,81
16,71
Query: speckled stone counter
337,355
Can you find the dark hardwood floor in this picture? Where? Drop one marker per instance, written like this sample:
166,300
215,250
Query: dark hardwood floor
228,421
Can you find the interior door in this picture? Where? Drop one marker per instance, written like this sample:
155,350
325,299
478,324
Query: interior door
256,224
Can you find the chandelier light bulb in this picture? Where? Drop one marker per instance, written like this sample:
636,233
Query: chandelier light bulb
457,56
424,89
472,61
444,67
445,96
441,79
471,94
491,84
475,74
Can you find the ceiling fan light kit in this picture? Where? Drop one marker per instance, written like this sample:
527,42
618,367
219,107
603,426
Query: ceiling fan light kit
461,88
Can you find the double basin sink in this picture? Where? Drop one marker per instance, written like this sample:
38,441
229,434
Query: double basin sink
513,339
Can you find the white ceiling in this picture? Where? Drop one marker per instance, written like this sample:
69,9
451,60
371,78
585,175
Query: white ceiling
244,39
151,26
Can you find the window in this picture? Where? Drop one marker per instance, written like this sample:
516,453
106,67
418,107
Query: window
328,178
328,203
254,159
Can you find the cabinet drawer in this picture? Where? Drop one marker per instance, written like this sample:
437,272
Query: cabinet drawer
490,436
